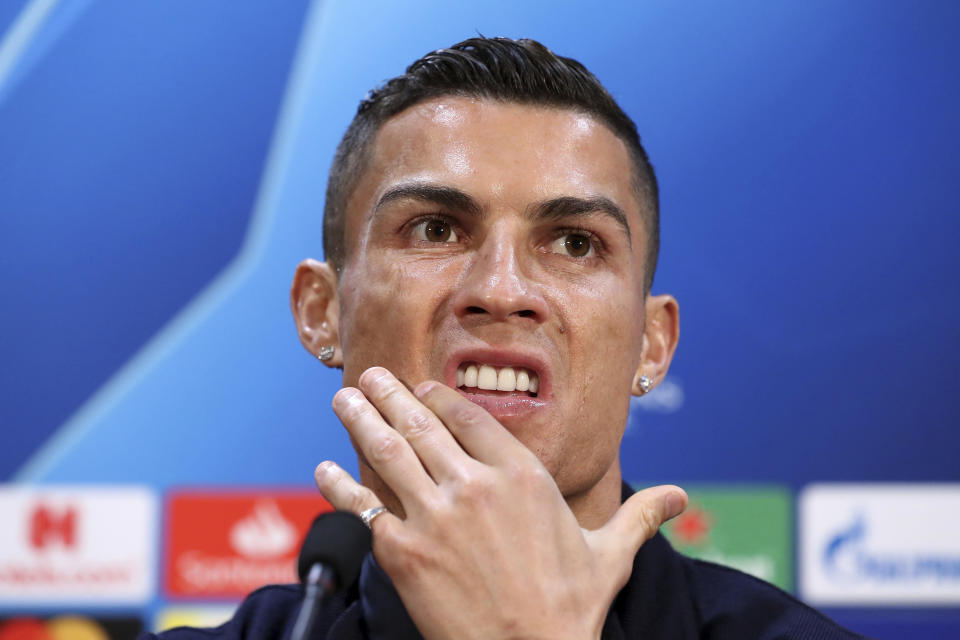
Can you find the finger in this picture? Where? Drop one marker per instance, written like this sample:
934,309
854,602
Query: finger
638,519
385,450
431,440
477,431
345,493
341,490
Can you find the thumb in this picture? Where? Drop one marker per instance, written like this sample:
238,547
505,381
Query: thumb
638,519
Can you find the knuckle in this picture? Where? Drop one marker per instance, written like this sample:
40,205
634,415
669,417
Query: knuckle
527,474
384,449
514,471
474,488
416,425
469,415
385,393
434,504
649,518
539,475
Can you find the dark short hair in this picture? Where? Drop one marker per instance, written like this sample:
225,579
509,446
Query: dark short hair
519,71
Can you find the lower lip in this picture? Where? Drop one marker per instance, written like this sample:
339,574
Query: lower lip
505,406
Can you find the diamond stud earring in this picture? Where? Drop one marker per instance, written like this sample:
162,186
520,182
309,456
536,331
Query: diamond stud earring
645,383
326,353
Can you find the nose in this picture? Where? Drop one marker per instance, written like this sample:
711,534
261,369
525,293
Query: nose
495,285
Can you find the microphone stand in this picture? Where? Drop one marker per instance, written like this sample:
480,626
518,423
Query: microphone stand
319,582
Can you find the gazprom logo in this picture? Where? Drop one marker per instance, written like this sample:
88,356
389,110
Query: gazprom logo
847,559
870,544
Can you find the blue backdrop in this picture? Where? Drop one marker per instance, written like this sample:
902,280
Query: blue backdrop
162,168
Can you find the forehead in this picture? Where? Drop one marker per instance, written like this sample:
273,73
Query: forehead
503,154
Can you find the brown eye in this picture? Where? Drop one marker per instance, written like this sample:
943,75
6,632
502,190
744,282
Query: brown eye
577,245
436,231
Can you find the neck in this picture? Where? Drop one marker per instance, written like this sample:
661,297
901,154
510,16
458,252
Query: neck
594,506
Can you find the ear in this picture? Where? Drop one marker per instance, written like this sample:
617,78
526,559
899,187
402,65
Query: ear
316,310
660,336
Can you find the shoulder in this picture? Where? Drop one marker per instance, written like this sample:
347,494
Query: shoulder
732,604
669,592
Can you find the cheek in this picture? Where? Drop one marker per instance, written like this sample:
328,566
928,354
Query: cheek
608,343
385,312
608,321
367,308
620,345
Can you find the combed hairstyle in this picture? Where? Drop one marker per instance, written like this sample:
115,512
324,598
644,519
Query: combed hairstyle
517,71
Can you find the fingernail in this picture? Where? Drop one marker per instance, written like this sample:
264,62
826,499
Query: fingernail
322,470
375,375
675,504
347,397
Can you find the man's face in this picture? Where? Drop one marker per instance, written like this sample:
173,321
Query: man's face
503,236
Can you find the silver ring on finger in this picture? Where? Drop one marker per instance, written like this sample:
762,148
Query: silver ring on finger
368,515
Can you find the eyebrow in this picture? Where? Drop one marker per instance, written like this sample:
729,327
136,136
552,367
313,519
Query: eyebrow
447,197
555,209
572,206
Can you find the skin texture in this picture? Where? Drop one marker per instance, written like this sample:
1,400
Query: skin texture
457,249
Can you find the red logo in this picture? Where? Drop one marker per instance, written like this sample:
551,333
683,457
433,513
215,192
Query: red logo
692,526
224,545
48,527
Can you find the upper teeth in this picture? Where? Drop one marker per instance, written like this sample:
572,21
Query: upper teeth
492,378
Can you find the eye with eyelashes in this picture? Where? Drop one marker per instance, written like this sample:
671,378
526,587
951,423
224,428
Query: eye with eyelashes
435,229
573,242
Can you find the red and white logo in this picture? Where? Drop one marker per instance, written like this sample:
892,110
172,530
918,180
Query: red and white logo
264,533
49,526
225,544
90,544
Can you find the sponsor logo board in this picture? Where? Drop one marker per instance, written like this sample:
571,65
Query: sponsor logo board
226,544
83,544
750,529
880,544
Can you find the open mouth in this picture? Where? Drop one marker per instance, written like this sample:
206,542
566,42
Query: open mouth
476,377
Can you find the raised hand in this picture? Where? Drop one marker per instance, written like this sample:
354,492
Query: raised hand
487,547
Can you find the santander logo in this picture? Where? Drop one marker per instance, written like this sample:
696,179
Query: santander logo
224,544
264,533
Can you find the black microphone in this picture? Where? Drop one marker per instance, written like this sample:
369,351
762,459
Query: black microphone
329,560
